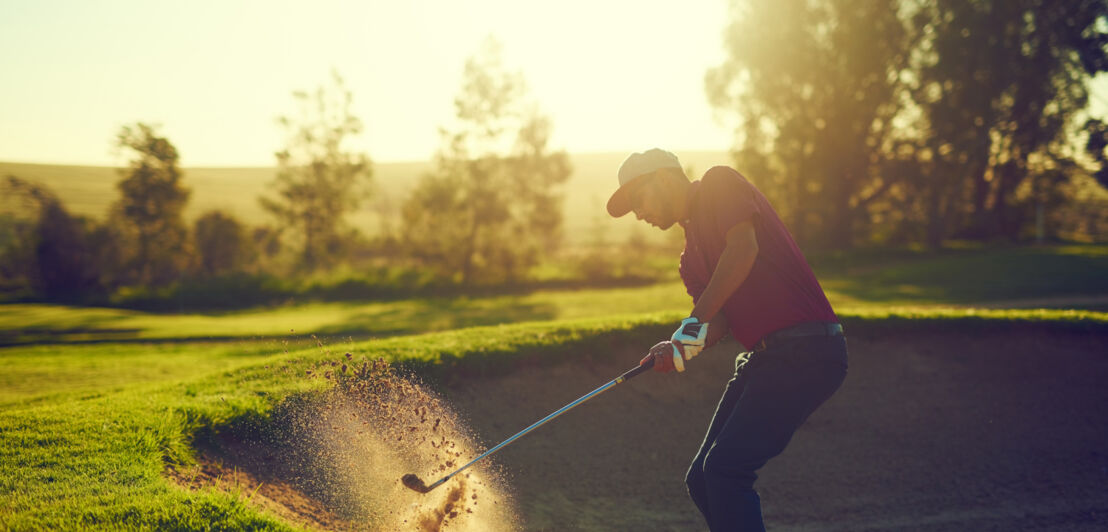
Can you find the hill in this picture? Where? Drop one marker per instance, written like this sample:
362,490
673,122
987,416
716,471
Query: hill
89,190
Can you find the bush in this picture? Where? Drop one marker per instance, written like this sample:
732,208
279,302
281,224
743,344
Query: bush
225,292
46,253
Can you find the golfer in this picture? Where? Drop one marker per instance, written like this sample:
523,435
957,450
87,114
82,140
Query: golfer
746,276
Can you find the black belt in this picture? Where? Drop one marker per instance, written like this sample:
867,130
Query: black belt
811,328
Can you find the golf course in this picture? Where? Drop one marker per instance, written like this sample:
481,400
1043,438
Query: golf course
955,415
500,266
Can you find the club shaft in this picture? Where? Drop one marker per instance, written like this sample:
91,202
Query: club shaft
544,420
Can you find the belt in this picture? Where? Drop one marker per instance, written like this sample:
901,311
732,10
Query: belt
811,328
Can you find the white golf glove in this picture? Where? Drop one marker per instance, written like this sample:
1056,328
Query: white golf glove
692,334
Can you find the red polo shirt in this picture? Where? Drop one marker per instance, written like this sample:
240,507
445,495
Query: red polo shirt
781,289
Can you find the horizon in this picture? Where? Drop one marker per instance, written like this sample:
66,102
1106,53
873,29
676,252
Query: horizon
375,162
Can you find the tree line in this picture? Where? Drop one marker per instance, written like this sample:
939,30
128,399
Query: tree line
901,121
486,213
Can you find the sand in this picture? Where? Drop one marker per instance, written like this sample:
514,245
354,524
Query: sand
998,431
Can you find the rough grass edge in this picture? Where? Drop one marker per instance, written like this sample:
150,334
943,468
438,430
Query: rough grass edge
869,322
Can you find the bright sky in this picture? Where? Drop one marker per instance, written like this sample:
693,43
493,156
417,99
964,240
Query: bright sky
613,75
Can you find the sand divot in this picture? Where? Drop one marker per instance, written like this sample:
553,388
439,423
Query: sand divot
345,451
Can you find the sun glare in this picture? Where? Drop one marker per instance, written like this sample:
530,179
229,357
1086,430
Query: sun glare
612,76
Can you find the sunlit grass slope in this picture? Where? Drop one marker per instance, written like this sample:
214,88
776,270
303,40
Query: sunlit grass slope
97,461
37,374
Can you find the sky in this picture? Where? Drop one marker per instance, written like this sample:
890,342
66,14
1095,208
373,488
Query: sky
613,75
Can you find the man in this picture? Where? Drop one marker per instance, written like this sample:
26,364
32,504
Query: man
746,276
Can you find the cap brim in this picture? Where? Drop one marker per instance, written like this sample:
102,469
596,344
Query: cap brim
620,202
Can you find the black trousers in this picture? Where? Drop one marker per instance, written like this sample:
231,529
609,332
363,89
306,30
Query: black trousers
772,394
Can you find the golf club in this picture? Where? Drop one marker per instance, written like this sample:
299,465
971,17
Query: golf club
411,480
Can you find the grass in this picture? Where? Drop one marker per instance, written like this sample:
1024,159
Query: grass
97,461
91,453
892,320
965,275
28,323
39,374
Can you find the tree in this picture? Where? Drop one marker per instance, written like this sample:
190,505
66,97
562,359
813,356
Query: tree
1097,147
1001,84
318,181
222,244
149,210
817,84
491,207
50,252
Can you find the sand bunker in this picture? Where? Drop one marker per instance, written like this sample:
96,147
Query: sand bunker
932,430
335,461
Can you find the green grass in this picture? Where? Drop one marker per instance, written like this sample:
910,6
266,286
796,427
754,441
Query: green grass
874,320
97,461
92,454
37,374
28,323
965,276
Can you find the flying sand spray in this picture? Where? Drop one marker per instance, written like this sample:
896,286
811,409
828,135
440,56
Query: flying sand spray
412,481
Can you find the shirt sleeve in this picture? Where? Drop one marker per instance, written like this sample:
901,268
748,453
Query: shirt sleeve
728,198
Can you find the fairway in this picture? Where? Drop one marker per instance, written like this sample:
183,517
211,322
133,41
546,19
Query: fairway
25,323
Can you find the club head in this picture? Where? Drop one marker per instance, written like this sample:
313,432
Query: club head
414,483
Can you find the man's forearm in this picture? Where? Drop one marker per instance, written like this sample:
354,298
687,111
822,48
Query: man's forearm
717,328
733,268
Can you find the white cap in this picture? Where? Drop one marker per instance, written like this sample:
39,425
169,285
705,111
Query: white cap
635,166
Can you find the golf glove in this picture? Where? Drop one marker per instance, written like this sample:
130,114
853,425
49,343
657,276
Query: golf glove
692,335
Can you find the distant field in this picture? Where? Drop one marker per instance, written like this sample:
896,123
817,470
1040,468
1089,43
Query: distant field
88,190
1057,276
1050,277
31,322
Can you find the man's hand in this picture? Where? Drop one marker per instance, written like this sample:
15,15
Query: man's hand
667,357
686,342
692,335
